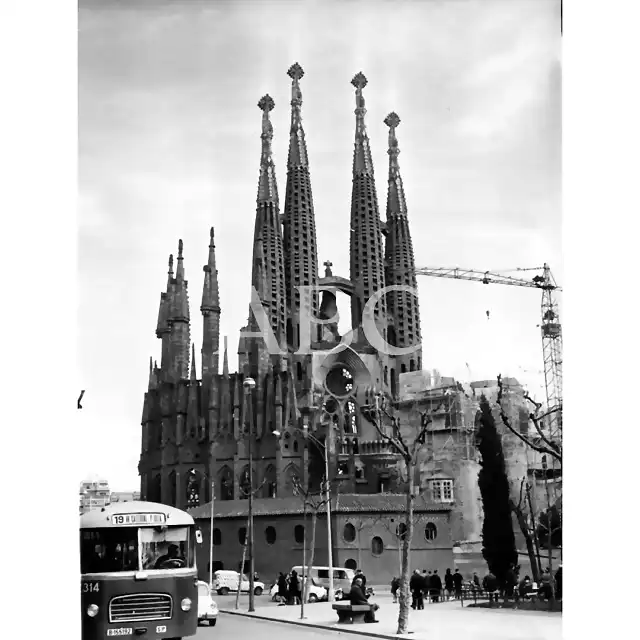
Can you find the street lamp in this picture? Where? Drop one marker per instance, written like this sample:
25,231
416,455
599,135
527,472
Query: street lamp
248,385
321,445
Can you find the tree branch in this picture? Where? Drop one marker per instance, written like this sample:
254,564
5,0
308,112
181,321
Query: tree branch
541,448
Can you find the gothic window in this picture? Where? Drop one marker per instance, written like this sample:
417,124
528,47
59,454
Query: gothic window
293,480
271,482
244,484
295,446
193,489
298,533
216,537
339,381
226,484
343,469
359,471
173,489
157,489
351,422
412,365
377,546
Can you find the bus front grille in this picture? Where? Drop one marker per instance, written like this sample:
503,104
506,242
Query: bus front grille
140,606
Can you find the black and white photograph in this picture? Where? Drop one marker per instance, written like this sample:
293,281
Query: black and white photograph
320,302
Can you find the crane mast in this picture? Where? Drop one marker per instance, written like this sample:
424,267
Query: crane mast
550,328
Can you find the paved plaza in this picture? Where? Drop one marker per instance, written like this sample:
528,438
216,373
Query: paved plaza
441,621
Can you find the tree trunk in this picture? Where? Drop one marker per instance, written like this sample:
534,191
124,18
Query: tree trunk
244,556
403,596
312,551
531,552
534,528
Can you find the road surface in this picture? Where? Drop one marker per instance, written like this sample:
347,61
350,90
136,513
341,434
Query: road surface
240,627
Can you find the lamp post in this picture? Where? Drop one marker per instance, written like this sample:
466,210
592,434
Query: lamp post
213,499
249,384
305,431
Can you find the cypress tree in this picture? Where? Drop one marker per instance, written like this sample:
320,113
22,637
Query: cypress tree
498,539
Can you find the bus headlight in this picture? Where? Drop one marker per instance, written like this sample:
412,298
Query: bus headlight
92,610
185,605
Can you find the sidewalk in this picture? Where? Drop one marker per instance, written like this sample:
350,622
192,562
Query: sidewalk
440,621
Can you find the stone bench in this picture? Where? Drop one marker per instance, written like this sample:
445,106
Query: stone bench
352,613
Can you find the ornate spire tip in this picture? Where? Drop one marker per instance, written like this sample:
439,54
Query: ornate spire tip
179,249
211,233
171,262
392,120
359,80
296,72
266,103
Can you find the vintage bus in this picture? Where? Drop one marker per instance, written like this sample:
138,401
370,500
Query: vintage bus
139,576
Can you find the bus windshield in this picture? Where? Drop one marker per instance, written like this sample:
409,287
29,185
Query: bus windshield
113,550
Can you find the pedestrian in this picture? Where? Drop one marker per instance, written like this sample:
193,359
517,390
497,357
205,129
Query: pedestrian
426,578
416,586
294,588
559,583
546,590
395,585
282,589
360,574
457,583
525,587
436,586
448,583
490,585
476,582
510,581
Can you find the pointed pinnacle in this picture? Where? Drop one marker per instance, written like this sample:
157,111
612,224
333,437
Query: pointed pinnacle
171,264
359,81
392,120
180,249
296,72
193,361
211,237
266,103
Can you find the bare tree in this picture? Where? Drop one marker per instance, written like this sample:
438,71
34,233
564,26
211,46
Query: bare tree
542,441
529,532
313,502
391,433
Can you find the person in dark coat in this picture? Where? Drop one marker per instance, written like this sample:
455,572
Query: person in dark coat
448,583
416,585
490,585
457,583
282,588
362,577
294,588
525,587
426,584
510,582
436,586
395,585
356,596
559,583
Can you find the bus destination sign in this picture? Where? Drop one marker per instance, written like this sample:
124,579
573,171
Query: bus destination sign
134,519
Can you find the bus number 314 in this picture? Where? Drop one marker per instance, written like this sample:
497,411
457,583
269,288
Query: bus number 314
90,587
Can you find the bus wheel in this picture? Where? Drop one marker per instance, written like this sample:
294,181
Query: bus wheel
224,591
258,591
212,622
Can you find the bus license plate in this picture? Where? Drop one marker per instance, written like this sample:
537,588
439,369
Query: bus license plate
125,631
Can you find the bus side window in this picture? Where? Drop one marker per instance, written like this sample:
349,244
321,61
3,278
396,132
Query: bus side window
323,573
338,574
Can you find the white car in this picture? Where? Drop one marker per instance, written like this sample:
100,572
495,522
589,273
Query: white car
207,608
226,581
316,592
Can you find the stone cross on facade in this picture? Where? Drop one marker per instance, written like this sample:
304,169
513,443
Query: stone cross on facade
327,272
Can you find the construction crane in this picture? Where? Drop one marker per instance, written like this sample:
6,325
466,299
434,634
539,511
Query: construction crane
550,327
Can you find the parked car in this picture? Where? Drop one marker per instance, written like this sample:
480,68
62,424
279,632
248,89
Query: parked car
226,581
207,608
342,579
316,592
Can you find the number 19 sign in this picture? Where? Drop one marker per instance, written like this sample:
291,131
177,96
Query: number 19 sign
134,519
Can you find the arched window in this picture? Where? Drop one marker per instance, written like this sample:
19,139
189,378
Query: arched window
244,484
270,535
430,531
351,420
193,488
157,489
339,381
377,546
403,368
412,365
216,537
242,535
226,484
271,482
299,370
298,533
349,532
295,446
351,564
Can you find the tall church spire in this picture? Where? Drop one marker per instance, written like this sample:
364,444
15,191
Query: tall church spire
179,322
403,307
300,252
366,264
268,261
210,309
163,329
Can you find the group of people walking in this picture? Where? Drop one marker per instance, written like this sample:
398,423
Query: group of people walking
289,588
428,585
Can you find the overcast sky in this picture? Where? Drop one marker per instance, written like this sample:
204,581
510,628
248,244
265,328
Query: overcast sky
170,145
